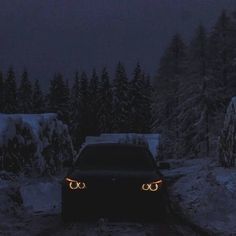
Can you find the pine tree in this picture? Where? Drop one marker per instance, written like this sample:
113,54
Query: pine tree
80,120
84,106
167,89
222,54
148,113
84,91
59,97
93,104
136,85
121,100
38,103
195,98
25,94
227,140
222,70
140,102
106,101
75,114
1,93
10,93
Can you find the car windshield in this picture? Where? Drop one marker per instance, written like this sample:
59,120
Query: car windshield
115,158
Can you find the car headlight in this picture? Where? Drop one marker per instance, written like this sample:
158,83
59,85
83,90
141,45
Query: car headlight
74,184
153,186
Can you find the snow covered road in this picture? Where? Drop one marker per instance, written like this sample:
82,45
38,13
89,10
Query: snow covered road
31,207
45,219
43,225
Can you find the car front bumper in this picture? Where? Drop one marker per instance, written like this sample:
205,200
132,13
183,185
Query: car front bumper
111,202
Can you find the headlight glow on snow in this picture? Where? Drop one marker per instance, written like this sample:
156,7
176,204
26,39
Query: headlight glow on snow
153,187
74,184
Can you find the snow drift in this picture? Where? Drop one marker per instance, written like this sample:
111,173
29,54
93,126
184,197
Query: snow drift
38,142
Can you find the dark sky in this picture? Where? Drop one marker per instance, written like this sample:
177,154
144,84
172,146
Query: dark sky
48,36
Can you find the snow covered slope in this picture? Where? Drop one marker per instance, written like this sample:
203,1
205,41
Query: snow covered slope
204,194
39,141
152,140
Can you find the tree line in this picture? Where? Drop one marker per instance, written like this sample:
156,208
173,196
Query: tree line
186,102
194,85
89,106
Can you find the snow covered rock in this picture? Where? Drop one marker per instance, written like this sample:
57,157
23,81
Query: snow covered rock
38,142
204,195
151,140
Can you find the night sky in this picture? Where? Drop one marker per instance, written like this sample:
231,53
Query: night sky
48,36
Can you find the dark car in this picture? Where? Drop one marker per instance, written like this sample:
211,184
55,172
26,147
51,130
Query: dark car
108,179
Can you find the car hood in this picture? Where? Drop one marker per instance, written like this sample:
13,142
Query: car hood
95,175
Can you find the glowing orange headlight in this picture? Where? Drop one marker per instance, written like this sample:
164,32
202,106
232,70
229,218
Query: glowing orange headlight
153,186
74,184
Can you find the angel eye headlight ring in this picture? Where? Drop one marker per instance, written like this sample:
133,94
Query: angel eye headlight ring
74,184
153,186
81,185
145,187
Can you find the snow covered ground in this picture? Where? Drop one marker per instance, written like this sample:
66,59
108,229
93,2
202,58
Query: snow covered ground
31,206
204,195
201,193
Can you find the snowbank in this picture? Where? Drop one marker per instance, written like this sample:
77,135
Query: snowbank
22,195
152,140
10,198
39,141
204,194
41,196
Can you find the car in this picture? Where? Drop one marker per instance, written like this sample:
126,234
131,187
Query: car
113,179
